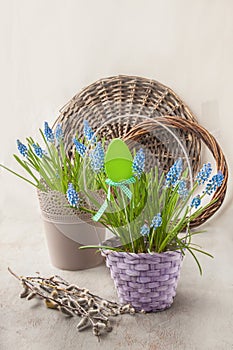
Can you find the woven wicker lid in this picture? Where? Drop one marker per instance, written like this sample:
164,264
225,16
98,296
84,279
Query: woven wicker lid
126,99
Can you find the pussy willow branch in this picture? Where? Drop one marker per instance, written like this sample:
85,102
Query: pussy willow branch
73,301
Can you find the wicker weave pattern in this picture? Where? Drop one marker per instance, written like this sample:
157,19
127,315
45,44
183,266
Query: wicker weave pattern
146,281
128,96
141,130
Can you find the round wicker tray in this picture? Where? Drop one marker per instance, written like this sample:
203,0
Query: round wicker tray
126,99
141,131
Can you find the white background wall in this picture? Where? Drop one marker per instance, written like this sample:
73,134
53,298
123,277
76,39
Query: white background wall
50,49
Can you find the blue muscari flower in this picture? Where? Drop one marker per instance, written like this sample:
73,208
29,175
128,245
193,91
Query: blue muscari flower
22,148
182,189
81,148
38,150
88,132
196,201
214,183
138,165
97,158
144,230
48,133
204,174
174,173
59,133
156,221
72,196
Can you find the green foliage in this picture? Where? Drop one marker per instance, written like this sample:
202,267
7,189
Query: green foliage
54,170
149,212
150,196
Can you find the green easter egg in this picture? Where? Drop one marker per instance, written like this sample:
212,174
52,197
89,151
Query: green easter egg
118,161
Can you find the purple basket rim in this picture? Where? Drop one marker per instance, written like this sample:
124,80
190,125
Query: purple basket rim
151,255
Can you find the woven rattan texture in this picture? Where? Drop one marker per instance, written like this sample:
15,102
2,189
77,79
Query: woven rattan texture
141,130
131,97
146,281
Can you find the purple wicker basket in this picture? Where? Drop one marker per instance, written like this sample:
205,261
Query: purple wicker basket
146,281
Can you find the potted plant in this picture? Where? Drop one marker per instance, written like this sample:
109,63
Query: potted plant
55,176
149,214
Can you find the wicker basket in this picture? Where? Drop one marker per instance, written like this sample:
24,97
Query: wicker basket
146,281
127,99
141,131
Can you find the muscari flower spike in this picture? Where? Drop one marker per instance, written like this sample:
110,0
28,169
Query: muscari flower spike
81,148
196,201
214,183
138,165
72,196
38,150
22,148
97,158
182,189
48,133
174,173
88,132
156,221
204,174
59,133
144,230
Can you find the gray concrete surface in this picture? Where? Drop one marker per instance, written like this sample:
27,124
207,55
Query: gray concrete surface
200,318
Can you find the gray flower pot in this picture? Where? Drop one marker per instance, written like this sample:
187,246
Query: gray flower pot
64,241
66,230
